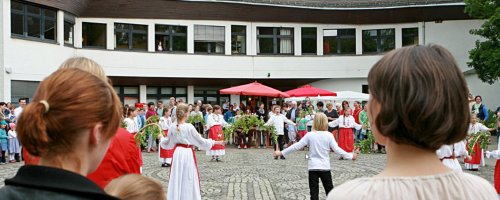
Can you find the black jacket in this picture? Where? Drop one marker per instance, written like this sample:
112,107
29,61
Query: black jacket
39,182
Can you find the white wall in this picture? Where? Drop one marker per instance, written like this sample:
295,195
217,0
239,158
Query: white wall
4,26
341,84
489,93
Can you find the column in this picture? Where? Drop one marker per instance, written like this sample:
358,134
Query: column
151,37
190,38
60,28
78,33
399,37
4,35
249,39
143,94
421,33
110,35
190,94
297,40
319,39
252,41
359,41
227,40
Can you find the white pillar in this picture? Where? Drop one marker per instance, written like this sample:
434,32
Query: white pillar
359,41
421,33
110,35
60,28
151,37
190,38
5,93
399,37
227,40
78,33
319,41
297,40
190,94
249,39
143,94
235,99
253,41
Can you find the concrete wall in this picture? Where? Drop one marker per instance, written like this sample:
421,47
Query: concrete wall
341,84
489,93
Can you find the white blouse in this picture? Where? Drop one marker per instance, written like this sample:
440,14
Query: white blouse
131,125
446,150
185,134
216,119
165,122
476,128
343,122
450,185
278,122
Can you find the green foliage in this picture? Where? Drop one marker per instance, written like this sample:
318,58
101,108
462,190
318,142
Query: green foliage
195,118
485,57
152,128
492,119
246,122
366,145
483,138
123,124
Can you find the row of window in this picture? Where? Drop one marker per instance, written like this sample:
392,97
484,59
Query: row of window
35,22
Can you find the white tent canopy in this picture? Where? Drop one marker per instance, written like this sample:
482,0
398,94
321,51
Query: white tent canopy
341,96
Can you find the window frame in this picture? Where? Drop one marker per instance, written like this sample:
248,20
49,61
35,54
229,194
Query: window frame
236,34
209,43
275,38
159,95
315,37
338,40
69,19
171,35
105,36
42,17
205,95
379,38
413,35
131,31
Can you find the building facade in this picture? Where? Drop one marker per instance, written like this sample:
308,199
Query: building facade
156,49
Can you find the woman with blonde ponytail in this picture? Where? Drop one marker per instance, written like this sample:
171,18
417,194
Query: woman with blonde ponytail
184,181
69,133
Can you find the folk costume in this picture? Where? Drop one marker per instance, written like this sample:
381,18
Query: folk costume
496,154
164,154
449,154
215,122
478,156
346,135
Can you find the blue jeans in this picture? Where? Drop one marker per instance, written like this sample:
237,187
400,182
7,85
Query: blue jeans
262,138
357,136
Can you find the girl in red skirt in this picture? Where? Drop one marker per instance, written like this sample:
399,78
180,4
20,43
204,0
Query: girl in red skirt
346,124
215,122
165,123
477,157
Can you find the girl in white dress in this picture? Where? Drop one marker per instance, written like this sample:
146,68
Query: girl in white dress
477,157
184,181
165,123
215,122
418,103
449,154
132,126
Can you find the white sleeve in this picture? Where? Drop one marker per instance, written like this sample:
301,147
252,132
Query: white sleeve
166,142
297,146
270,121
461,149
287,120
224,123
130,126
333,145
356,125
334,123
197,140
210,121
482,127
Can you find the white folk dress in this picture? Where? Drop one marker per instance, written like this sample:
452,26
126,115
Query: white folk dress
445,154
474,164
215,122
450,185
132,126
184,181
163,154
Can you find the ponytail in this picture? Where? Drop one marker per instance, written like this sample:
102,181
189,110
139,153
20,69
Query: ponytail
32,129
180,113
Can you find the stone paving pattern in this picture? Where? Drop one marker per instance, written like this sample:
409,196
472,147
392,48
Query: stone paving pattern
253,173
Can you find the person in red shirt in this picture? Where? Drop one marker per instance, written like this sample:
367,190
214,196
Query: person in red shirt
121,158
151,110
357,110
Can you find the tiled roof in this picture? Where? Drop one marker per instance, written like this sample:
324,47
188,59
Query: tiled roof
322,4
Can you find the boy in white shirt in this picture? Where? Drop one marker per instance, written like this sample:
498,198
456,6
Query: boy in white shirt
278,120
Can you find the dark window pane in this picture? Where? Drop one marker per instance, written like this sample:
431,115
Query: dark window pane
179,43
122,26
369,42
238,44
68,32
347,32
309,31
94,35
265,46
386,44
240,30
308,45
140,28
347,46
410,36
201,47
161,28
16,23
16,6
50,30
33,26
329,45
50,13
34,10
217,47
265,31
122,40
140,41
179,29
161,42
386,32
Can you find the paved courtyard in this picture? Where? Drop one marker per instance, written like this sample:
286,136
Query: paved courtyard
254,174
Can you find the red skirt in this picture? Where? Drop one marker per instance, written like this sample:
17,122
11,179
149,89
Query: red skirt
346,139
302,133
166,153
216,133
476,156
497,177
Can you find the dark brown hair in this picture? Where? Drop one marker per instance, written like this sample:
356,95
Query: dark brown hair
71,96
422,96
216,107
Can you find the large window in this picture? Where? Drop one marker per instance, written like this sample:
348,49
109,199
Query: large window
339,41
31,21
309,37
210,96
164,93
238,39
410,36
69,29
94,35
129,95
131,37
170,38
209,39
23,89
378,40
273,40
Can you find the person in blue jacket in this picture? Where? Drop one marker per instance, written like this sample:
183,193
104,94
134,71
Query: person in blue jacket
480,109
4,142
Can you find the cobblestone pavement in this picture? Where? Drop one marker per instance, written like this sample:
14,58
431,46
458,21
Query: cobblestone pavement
254,174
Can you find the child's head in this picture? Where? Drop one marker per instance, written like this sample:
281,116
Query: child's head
182,111
132,112
12,126
135,186
166,112
320,122
217,109
473,118
418,97
3,124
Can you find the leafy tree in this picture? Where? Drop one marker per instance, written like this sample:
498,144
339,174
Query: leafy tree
485,57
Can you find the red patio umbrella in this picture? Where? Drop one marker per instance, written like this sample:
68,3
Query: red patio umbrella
254,89
309,91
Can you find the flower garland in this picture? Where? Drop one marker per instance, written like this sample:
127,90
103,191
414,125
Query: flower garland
153,127
245,123
483,138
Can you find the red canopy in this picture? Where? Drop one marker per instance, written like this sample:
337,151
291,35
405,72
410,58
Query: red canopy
254,89
308,90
